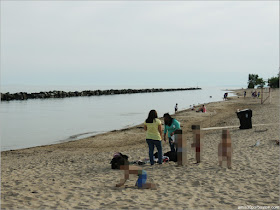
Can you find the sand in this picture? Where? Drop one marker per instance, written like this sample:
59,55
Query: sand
77,175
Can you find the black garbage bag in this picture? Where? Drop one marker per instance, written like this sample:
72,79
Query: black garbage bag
245,117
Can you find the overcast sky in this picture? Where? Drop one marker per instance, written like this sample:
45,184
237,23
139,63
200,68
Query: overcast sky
150,43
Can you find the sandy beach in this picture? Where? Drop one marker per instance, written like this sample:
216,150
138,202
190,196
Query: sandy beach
78,174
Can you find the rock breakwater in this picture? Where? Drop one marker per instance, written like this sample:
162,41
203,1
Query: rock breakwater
62,94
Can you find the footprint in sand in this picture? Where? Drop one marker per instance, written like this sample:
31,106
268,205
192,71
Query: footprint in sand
196,184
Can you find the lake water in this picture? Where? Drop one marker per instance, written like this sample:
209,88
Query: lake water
36,122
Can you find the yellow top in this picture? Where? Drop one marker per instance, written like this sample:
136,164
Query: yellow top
152,130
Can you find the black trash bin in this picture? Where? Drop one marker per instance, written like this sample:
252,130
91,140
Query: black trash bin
245,118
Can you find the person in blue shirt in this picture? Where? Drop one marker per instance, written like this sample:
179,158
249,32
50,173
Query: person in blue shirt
170,126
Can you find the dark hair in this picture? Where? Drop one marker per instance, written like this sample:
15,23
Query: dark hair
152,115
125,162
169,119
119,160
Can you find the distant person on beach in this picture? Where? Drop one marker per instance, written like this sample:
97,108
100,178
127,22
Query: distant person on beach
244,94
259,93
170,126
202,109
176,108
142,176
225,96
192,107
153,135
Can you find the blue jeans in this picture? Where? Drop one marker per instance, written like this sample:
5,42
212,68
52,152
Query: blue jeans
152,144
172,145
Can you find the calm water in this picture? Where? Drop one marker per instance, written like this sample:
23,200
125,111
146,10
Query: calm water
40,122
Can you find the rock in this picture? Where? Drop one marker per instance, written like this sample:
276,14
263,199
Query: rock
61,94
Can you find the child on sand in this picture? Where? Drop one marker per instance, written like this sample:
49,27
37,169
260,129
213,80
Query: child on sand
192,107
142,176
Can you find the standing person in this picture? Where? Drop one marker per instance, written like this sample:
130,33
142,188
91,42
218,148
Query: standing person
170,126
176,108
244,93
154,135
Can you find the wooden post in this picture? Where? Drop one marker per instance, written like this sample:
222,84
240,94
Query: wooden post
181,146
269,96
196,141
262,96
225,149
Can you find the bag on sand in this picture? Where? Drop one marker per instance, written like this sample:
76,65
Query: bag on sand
118,160
167,156
172,156
156,155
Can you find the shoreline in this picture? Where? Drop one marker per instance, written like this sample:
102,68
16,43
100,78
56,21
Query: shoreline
75,137
78,174
65,141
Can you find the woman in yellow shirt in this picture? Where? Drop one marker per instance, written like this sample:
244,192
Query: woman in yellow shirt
154,135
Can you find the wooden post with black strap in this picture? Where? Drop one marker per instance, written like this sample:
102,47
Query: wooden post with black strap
181,146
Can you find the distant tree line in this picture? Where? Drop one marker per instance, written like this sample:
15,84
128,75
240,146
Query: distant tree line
255,80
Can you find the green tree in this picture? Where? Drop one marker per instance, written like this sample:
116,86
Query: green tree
254,80
260,82
273,82
251,85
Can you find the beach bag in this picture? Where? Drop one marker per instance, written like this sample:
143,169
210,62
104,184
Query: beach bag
156,155
172,156
165,158
118,160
